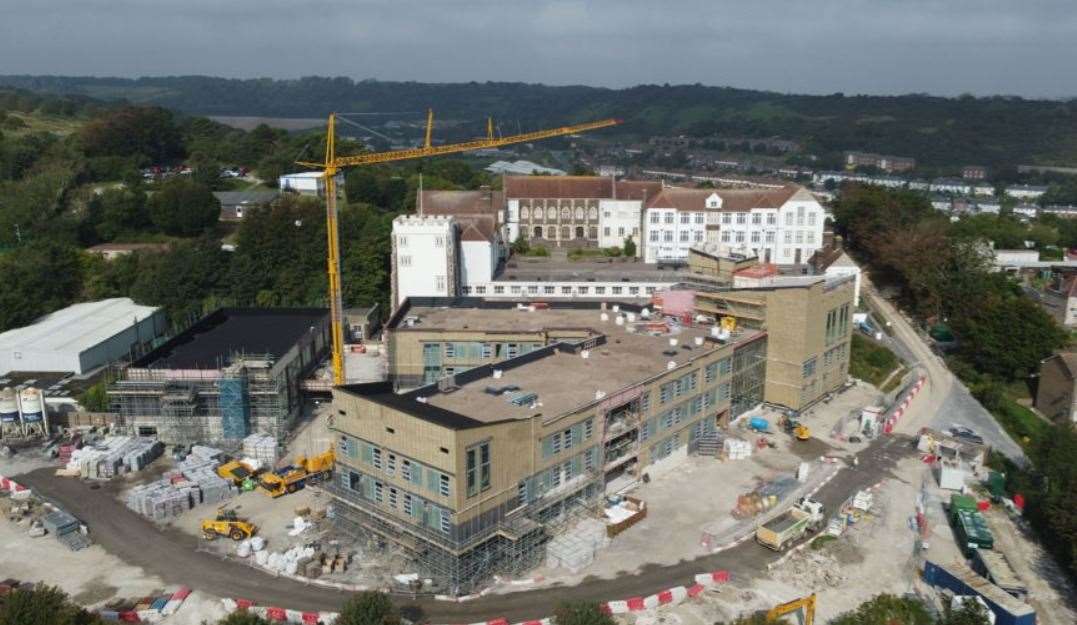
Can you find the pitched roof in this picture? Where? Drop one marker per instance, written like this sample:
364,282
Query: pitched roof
685,199
481,202
636,189
558,187
477,228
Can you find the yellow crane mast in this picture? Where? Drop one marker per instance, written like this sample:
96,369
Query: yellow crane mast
333,164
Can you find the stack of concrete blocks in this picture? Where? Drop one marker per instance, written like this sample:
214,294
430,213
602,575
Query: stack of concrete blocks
576,549
205,453
261,447
161,500
114,456
194,482
736,449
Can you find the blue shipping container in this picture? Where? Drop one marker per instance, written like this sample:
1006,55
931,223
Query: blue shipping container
961,580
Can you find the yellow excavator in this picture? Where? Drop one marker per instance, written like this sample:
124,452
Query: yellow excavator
298,474
805,603
796,428
227,524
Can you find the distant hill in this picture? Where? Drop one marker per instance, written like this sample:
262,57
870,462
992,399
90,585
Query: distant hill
939,132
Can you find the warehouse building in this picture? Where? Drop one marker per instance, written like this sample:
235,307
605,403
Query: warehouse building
472,475
82,337
234,372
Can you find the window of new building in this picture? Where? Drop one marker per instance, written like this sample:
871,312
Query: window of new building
521,492
512,350
394,496
710,373
446,521
478,468
808,369
376,457
443,485
409,505
379,492
390,465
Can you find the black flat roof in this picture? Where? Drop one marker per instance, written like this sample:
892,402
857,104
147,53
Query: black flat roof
213,340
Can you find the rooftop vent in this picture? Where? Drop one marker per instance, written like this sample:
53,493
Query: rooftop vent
600,394
585,353
498,391
420,399
523,399
671,365
645,313
498,373
619,320
604,317
699,341
617,308
447,384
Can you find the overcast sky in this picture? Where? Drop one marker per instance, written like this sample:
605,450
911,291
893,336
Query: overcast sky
1022,47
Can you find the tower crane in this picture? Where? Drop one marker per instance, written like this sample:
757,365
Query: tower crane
333,164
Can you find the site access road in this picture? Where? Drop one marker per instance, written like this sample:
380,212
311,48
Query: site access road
175,557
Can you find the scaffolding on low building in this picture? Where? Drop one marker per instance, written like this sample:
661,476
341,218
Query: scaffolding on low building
205,405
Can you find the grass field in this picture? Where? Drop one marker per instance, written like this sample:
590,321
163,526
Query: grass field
870,361
36,122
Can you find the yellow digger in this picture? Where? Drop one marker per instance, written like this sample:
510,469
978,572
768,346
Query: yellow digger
796,428
297,475
227,524
807,603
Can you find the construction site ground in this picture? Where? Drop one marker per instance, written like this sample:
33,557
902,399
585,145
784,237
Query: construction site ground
689,512
93,577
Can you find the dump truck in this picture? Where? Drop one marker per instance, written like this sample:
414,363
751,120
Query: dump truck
239,473
297,475
782,531
971,531
227,524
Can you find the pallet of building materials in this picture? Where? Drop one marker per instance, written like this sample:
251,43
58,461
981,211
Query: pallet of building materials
202,452
576,548
75,541
736,449
261,447
114,455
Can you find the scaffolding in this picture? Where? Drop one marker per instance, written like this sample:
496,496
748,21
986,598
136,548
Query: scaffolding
186,406
510,544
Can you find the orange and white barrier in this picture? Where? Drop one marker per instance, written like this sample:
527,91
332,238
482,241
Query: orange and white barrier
891,421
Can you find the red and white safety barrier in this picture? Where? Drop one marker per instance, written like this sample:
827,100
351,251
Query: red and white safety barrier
891,422
669,596
11,486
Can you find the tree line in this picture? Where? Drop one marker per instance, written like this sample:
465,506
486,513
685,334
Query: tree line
996,131
45,605
941,269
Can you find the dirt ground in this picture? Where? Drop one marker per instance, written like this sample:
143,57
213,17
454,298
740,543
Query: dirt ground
874,556
1049,590
92,576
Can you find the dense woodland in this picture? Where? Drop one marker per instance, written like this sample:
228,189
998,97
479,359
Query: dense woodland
63,192
941,269
995,131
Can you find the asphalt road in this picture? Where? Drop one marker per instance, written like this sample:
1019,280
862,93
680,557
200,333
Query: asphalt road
947,401
175,558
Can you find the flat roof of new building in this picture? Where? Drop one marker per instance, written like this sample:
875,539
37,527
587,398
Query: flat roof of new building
592,271
78,327
215,339
553,380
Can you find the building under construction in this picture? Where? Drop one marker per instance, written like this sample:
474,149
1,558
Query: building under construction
234,372
473,475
